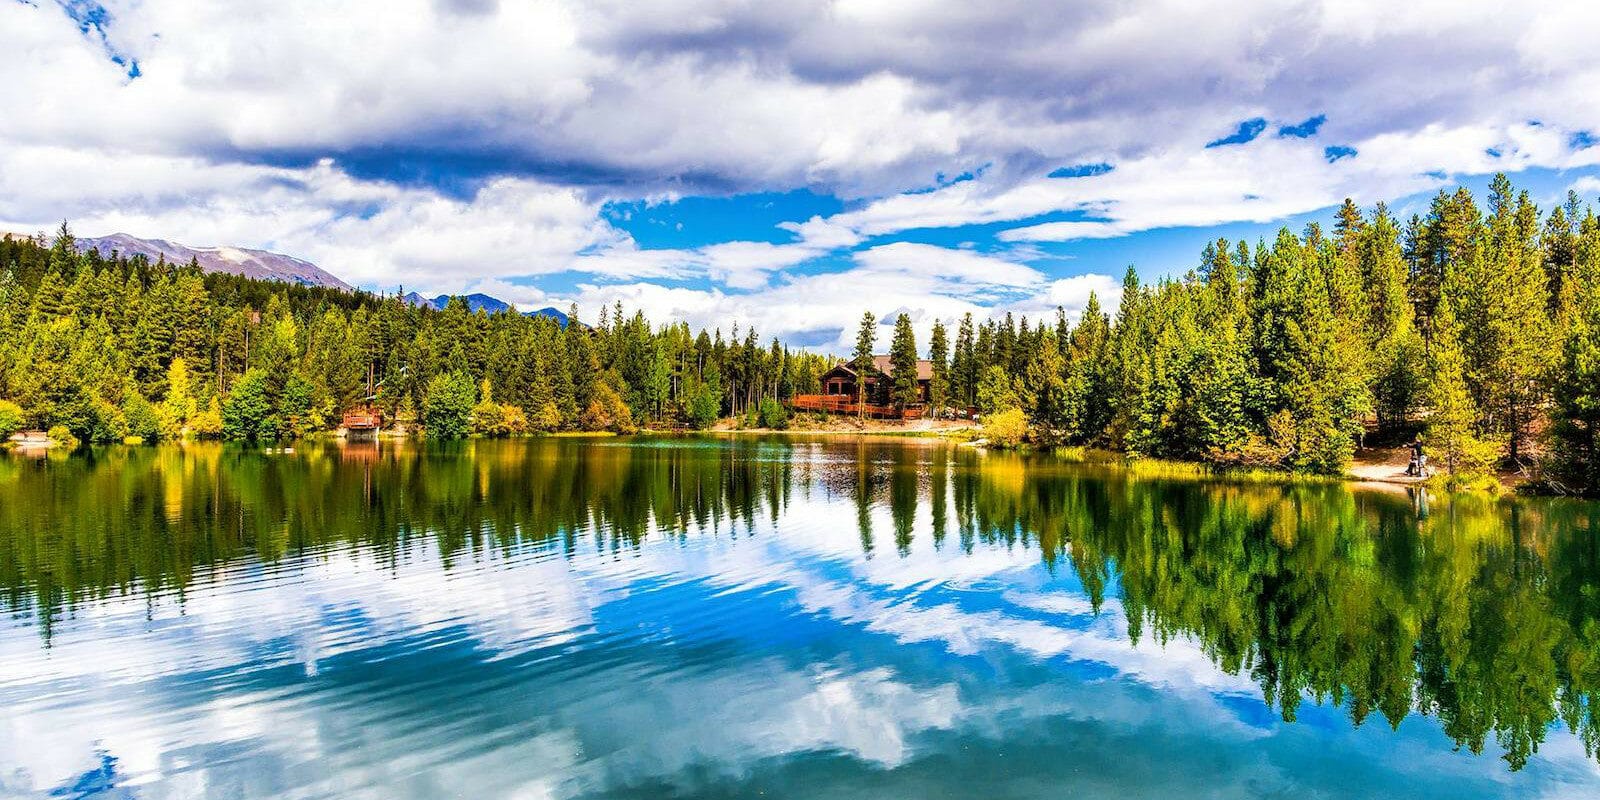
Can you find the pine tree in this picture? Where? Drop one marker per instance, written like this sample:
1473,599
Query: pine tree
448,409
248,416
1516,348
866,338
1451,433
939,355
964,365
1126,368
1091,339
903,363
1574,458
1050,405
1575,436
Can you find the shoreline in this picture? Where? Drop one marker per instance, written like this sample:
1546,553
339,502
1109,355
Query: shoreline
1379,468
1373,468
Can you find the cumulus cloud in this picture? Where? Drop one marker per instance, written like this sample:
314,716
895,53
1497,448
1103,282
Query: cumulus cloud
820,311
445,144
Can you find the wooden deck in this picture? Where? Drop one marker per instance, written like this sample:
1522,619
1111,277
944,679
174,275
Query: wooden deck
844,404
362,421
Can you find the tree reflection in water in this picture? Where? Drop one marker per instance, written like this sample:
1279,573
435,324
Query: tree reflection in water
1482,612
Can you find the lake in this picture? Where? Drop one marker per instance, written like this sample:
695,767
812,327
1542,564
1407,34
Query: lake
778,617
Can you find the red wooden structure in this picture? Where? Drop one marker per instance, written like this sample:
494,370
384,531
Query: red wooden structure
365,419
842,387
362,419
845,404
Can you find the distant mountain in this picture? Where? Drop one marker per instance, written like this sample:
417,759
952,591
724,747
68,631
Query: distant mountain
475,302
274,266
560,318
234,260
481,302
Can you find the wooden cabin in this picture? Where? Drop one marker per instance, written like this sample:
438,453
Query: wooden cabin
840,386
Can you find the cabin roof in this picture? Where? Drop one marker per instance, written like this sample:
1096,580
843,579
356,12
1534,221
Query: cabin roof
882,364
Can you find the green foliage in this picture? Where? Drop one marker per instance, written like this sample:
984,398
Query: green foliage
208,423
1459,452
939,355
140,416
489,420
903,363
180,404
862,362
1574,458
297,408
492,420
448,410
1006,428
75,331
547,419
703,407
1051,405
1282,353
110,425
11,419
772,414
62,437
995,392
248,414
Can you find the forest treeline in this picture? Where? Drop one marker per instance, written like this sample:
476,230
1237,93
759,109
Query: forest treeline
103,348
1480,327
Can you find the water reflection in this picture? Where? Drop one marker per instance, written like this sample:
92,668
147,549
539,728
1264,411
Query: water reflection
389,573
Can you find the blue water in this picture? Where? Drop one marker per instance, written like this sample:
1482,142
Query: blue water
744,617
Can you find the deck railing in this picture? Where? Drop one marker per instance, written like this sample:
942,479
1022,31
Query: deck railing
362,421
844,404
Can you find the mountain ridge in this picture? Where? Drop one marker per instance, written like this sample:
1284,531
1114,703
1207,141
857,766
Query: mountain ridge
267,265
478,301
248,262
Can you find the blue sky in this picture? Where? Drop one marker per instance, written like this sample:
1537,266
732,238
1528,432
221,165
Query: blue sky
783,166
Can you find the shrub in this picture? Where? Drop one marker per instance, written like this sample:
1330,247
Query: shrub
547,418
169,422
62,436
109,423
595,417
141,416
516,421
607,412
489,419
208,424
247,416
1006,429
447,413
11,418
773,415
704,406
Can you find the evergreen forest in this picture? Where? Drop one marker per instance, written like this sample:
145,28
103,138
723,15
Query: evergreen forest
1475,327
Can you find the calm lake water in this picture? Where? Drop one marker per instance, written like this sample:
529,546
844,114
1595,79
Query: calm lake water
744,617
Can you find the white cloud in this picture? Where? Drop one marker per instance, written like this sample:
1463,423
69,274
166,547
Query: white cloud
925,282
451,144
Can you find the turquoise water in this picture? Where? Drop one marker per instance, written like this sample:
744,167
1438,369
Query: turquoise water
747,617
